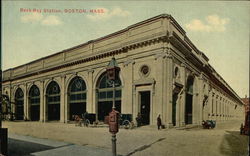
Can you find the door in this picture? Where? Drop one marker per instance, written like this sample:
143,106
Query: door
145,107
188,109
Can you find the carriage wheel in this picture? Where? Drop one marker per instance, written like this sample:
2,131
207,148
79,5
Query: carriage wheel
126,124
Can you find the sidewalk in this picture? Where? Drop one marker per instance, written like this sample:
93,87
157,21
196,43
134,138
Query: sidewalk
224,139
54,148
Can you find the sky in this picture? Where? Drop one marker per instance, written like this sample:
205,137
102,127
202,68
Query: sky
220,29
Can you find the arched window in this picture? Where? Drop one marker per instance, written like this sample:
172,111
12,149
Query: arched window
53,101
105,96
77,97
34,101
19,104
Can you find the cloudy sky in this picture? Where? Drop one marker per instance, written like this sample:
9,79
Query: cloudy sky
219,29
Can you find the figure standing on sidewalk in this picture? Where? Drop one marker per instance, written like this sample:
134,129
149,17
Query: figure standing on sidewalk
159,122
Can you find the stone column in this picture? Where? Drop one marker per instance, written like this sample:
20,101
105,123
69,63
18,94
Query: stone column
42,101
169,93
182,100
196,101
89,103
45,106
164,88
220,110
25,101
201,110
62,99
210,96
159,103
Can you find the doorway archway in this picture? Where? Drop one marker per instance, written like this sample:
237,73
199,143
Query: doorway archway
105,96
34,101
19,101
77,97
53,101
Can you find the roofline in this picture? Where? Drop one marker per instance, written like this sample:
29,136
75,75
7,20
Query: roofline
99,39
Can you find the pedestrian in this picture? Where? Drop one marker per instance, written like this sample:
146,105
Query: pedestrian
241,128
159,122
138,119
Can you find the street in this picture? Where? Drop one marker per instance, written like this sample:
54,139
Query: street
66,139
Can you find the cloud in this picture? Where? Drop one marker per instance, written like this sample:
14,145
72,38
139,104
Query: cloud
213,24
34,17
107,14
51,20
39,18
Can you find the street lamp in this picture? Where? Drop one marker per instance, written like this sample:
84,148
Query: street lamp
113,75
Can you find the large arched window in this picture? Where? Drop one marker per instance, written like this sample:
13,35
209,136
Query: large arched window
34,101
189,100
53,101
105,96
77,97
19,104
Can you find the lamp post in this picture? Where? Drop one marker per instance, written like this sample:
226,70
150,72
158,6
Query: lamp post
112,75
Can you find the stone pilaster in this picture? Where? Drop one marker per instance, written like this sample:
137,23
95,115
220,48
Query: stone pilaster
25,101
182,97
170,89
90,106
62,100
196,101
210,97
45,108
42,101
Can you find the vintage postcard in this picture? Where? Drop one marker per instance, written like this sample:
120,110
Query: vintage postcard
128,78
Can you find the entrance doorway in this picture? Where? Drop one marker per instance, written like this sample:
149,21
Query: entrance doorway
145,107
189,100
188,109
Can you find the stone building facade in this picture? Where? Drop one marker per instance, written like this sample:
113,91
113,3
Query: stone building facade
162,72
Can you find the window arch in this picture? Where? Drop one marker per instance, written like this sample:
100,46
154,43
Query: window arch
53,101
77,97
19,100
34,101
105,96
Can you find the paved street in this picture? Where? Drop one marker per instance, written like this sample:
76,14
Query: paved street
66,139
20,145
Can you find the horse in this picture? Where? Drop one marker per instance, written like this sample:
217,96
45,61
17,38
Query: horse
78,120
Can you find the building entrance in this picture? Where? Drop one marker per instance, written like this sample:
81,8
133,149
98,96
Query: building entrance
189,101
145,107
188,109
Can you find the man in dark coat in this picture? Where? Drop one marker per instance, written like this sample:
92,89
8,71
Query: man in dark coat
159,122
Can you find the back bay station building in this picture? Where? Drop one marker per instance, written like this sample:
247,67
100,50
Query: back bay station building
162,72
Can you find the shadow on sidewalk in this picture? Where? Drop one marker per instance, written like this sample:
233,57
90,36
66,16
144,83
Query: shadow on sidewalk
144,147
234,144
24,148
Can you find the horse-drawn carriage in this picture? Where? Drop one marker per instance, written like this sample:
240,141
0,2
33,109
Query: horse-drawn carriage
209,124
85,119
